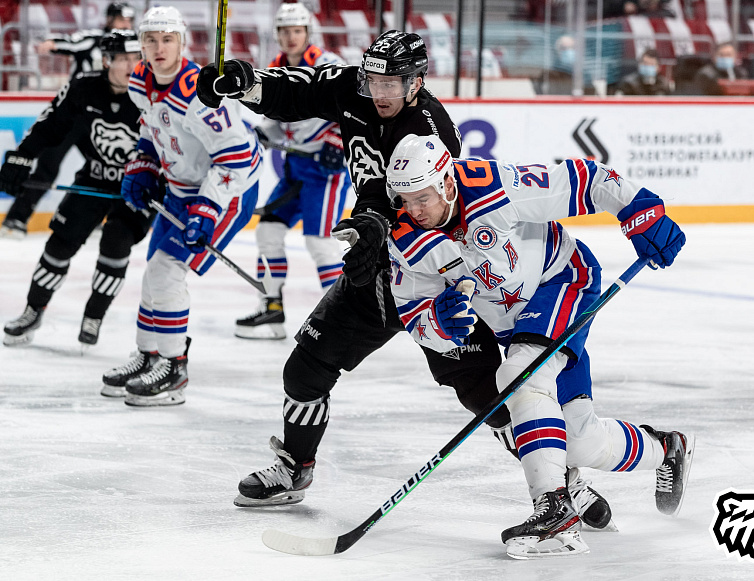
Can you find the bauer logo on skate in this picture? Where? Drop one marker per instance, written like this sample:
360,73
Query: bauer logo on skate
733,527
411,482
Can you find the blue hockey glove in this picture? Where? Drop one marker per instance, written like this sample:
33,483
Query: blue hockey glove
452,315
331,155
140,184
200,226
654,235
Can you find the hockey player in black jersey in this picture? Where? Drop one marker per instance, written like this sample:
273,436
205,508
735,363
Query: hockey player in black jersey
84,47
376,105
96,102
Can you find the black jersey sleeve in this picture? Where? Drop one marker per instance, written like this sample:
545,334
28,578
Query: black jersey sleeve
297,93
56,121
77,43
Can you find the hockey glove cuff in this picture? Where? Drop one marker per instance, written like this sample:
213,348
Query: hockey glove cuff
237,79
452,315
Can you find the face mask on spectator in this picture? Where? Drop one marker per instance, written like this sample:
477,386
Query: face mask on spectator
568,56
724,63
648,71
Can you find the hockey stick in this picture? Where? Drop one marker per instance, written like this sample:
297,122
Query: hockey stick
222,18
83,190
286,543
289,194
259,285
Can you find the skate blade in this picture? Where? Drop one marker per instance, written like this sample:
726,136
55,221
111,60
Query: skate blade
275,331
561,545
288,497
174,397
11,340
113,391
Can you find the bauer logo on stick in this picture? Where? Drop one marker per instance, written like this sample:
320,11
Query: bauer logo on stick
733,527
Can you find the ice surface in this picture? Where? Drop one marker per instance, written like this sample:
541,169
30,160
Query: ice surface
93,489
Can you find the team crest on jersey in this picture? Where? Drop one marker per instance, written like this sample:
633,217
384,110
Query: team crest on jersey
165,117
365,162
115,142
484,237
115,107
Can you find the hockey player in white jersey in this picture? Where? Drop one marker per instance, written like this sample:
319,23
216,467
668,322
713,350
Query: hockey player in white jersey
313,188
210,163
479,238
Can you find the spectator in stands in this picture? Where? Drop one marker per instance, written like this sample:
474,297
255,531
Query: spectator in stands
723,67
645,81
84,47
559,79
655,9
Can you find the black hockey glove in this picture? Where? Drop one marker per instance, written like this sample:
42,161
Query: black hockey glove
237,79
331,158
15,172
366,233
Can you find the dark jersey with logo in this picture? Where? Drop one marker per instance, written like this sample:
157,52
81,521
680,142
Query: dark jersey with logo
106,124
330,92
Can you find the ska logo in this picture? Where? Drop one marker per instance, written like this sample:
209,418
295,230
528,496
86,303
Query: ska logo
115,142
365,163
733,527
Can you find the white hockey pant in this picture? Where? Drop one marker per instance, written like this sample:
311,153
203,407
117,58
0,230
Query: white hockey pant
164,292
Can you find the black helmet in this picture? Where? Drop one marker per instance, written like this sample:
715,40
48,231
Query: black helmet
120,9
118,42
394,53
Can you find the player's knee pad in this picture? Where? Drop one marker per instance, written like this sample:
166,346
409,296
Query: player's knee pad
61,248
589,441
307,378
475,389
166,277
271,238
542,382
117,239
324,251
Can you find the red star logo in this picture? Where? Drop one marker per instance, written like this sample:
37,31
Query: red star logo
166,165
612,175
225,180
511,299
422,329
289,133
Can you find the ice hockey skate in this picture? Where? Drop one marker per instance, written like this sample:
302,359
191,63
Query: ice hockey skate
21,330
13,229
672,475
282,483
264,324
115,380
591,507
89,333
554,530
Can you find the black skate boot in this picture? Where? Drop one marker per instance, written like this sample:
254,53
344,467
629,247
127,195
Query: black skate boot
283,483
89,333
14,229
672,475
115,380
21,330
553,529
591,507
162,385
265,324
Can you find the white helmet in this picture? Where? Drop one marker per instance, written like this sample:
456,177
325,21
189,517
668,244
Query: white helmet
418,162
293,15
163,19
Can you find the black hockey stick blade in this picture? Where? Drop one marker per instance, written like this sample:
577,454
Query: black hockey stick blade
295,545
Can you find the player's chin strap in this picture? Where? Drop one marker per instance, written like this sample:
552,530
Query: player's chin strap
451,204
